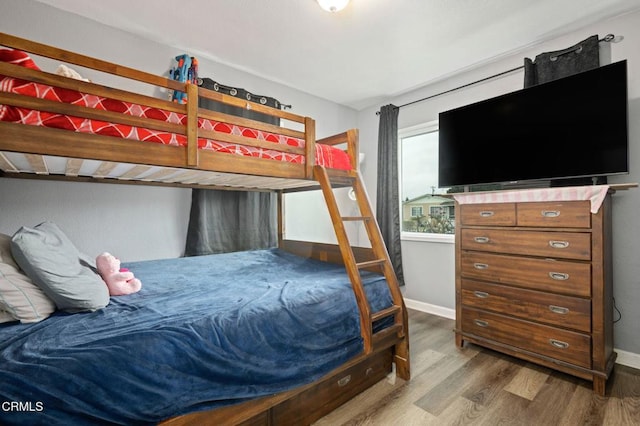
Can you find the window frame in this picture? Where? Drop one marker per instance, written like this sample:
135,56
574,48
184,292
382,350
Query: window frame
405,132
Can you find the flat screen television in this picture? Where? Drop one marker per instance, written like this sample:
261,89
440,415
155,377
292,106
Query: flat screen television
567,131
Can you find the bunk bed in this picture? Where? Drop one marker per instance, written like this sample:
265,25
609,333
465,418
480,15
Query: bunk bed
54,127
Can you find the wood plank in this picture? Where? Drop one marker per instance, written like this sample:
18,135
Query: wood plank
483,368
133,172
63,143
528,382
184,176
582,409
105,168
73,166
86,61
162,174
88,88
560,400
235,164
6,165
37,164
251,124
309,147
90,113
247,141
192,126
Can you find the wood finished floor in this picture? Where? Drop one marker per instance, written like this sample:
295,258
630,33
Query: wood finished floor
476,386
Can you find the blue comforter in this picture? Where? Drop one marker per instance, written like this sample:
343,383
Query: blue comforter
203,332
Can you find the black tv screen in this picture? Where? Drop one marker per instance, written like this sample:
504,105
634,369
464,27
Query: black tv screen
574,127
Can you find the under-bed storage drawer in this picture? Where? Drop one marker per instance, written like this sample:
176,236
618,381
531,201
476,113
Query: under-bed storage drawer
552,309
564,345
314,403
571,278
565,245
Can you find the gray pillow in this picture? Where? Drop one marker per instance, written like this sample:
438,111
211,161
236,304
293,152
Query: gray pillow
55,265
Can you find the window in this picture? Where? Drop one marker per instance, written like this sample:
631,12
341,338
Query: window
426,212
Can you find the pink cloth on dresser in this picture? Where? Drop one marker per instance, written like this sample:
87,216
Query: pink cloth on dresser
595,194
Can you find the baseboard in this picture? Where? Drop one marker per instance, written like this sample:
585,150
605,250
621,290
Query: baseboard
629,359
625,358
430,309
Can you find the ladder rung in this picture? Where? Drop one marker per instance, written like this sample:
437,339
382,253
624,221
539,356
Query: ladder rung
370,263
352,218
389,332
341,180
391,310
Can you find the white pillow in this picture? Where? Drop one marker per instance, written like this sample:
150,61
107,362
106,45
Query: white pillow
6,316
20,298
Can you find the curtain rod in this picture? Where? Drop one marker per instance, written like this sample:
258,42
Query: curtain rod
608,38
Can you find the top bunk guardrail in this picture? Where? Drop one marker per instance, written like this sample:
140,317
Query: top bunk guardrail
195,143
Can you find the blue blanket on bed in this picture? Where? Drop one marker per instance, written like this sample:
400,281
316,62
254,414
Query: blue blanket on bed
203,332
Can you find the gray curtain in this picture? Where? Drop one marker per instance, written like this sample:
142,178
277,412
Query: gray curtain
227,221
550,66
388,198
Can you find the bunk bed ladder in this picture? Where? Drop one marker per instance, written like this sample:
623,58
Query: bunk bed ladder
380,263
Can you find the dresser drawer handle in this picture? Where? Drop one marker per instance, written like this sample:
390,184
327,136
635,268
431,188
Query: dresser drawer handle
558,344
344,381
559,276
481,240
550,213
480,266
559,244
558,309
481,323
481,294
486,213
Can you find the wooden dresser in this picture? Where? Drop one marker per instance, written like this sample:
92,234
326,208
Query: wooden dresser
533,280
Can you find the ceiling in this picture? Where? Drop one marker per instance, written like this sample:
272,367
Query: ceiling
370,51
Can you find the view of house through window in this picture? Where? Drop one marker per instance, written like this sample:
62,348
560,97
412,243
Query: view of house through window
424,208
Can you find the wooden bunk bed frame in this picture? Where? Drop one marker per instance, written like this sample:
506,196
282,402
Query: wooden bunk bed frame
157,164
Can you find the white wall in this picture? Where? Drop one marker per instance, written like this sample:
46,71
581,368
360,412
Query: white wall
429,267
120,219
137,223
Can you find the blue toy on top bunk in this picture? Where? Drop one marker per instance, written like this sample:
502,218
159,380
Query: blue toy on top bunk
185,71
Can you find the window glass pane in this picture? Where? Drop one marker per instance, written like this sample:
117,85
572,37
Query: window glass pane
424,209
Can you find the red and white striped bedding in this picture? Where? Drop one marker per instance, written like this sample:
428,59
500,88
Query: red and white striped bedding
326,155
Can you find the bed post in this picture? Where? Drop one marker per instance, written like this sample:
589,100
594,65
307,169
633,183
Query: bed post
280,214
353,149
309,146
192,125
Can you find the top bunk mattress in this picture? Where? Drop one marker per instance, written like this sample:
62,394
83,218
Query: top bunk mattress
203,332
326,155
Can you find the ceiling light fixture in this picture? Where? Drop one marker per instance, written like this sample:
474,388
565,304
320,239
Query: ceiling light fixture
333,5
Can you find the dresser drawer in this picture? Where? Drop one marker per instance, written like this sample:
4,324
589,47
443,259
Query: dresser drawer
551,309
573,214
566,245
564,345
498,214
557,276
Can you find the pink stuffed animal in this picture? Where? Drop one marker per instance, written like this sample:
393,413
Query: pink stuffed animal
119,281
